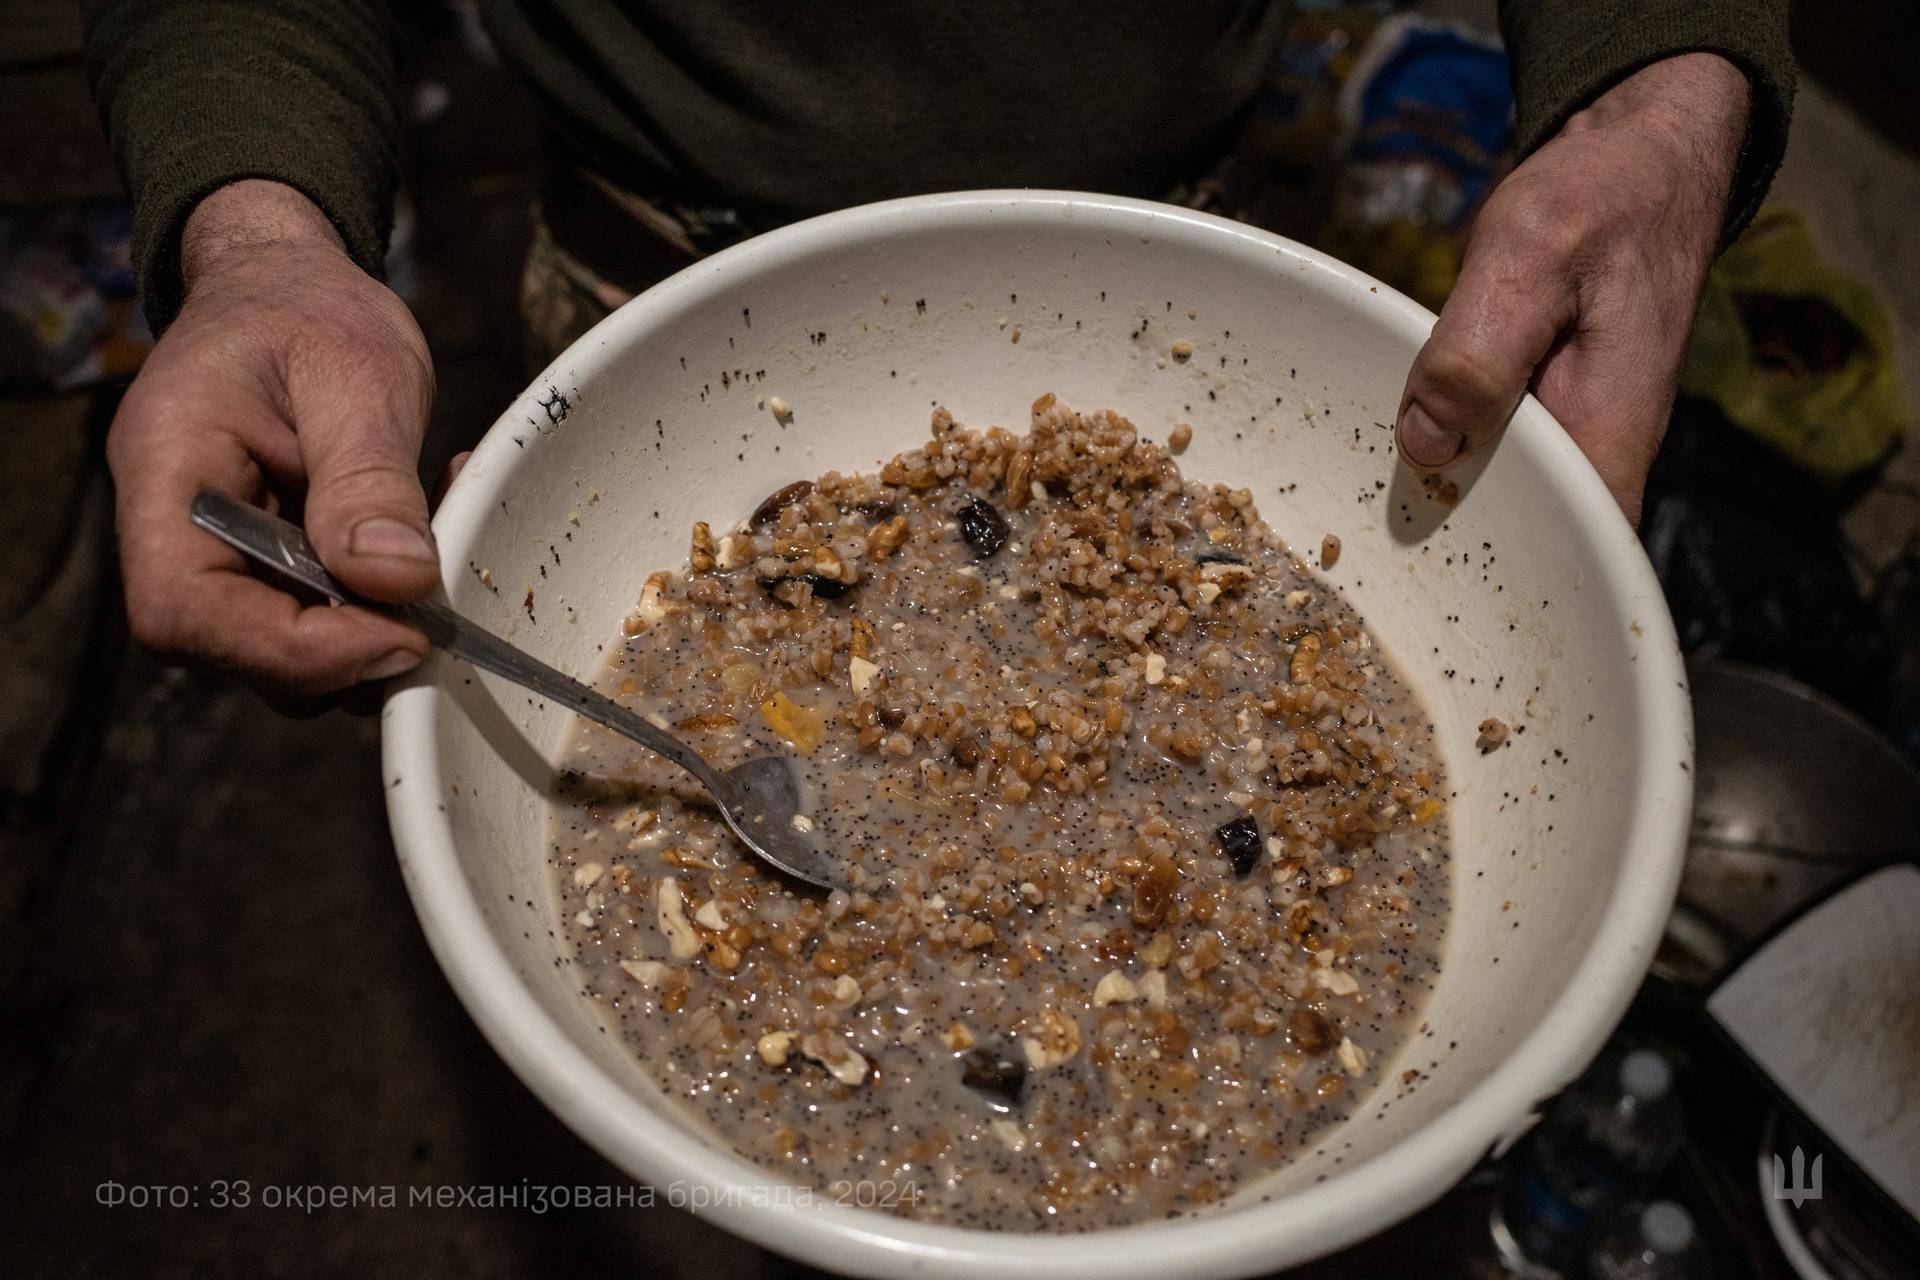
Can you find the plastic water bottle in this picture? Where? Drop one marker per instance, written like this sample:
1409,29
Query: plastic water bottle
1602,1144
1645,1242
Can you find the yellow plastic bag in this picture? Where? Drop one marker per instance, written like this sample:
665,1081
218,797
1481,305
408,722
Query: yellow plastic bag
1796,352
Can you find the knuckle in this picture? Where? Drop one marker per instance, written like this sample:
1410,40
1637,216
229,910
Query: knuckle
364,478
151,622
1460,373
1542,228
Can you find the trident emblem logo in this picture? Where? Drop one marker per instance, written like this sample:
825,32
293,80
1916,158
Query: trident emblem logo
1805,1185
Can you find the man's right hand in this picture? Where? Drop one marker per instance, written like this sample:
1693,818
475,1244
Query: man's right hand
290,379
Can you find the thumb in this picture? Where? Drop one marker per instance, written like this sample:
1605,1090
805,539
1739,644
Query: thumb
365,509
1497,326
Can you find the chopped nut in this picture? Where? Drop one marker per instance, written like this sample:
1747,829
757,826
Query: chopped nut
709,917
827,565
636,821
1208,592
886,538
846,991
1156,668
860,674
841,1060
1493,733
1153,985
730,554
587,873
1006,1131
957,1037
1225,574
1020,720
648,973
1306,657
773,1047
1055,1039
1158,951
700,559
801,823
1337,981
682,942
1116,988
653,605
1352,1057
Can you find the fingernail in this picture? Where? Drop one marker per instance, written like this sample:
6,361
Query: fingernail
1424,441
386,667
385,536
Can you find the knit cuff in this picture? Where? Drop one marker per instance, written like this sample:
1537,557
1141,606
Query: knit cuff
1566,53
198,95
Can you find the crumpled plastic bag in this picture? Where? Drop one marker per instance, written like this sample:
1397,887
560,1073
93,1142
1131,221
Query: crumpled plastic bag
1797,353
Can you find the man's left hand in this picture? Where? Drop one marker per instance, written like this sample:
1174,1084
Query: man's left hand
1582,274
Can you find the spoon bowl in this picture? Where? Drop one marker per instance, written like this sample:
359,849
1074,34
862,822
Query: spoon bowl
760,799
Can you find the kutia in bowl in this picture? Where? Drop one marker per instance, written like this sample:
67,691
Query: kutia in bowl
1513,600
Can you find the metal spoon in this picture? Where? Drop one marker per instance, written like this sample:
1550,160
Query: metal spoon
759,798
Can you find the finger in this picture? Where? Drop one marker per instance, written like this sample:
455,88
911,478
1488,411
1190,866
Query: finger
1612,389
360,423
448,475
237,623
1499,323
188,595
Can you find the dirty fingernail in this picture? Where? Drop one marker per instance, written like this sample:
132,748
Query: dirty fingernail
385,536
387,666
1424,441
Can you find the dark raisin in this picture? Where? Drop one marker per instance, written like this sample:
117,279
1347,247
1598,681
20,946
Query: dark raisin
892,717
823,588
1310,1032
779,500
984,528
998,1075
827,588
1239,842
1153,890
966,752
1219,557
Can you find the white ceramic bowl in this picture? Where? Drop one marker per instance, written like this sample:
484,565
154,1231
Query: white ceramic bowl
1530,601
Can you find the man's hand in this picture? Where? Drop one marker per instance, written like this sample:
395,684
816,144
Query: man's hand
290,379
1582,275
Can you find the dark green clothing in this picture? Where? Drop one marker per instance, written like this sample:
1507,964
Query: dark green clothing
785,108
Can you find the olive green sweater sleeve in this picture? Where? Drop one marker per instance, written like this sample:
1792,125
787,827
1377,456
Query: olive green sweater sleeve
1568,52
198,93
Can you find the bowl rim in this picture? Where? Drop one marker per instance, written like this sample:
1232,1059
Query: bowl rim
1295,1227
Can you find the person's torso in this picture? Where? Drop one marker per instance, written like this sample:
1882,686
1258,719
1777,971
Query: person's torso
789,107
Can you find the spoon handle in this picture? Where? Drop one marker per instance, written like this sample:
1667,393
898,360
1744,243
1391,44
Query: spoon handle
283,547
